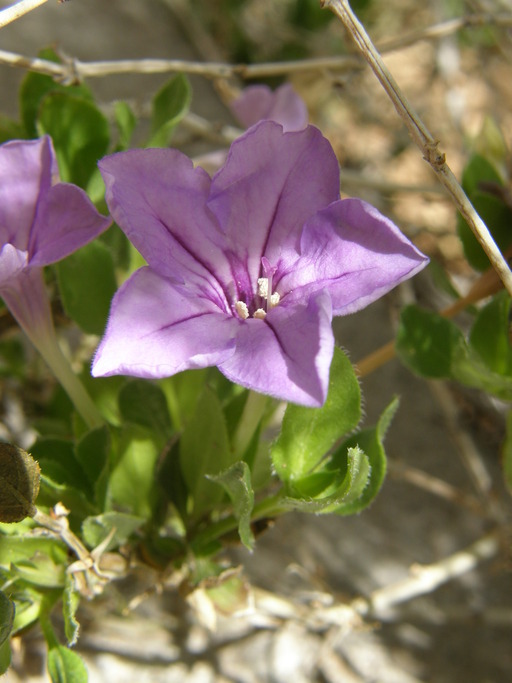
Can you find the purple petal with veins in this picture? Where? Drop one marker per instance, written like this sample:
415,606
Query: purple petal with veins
245,270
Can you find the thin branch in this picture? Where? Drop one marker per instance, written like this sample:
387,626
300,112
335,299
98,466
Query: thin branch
470,456
75,70
443,29
423,579
16,11
421,136
434,485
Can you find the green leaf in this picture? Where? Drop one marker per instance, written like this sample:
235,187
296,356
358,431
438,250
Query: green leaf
507,454
132,486
19,483
40,570
482,183
10,130
65,666
489,335
205,450
87,284
236,481
70,602
182,392
16,549
96,529
144,403
6,617
170,105
80,135
35,86
308,434
325,491
57,460
426,342
5,657
434,347
170,478
92,452
28,606
371,441
126,122
468,368
77,500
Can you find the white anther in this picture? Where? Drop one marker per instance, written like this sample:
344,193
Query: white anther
275,298
263,287
242,310
260,314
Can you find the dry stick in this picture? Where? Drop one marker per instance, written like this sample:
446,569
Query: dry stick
434,485
422,137
18,10
75,70
443,29
473,461
422,579
426,578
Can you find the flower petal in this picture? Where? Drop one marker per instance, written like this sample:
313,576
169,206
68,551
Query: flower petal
66,220
355,253
282,105
12,262
159,200
156,330
287,355
271,184
27,170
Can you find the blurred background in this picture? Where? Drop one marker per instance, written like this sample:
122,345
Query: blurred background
459,79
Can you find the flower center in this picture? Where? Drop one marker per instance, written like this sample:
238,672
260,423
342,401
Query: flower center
265,294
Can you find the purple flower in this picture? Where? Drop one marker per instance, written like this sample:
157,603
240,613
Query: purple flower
41,222
41,219
245,270
283,105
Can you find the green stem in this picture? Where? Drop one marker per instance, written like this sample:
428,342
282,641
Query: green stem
253,411
58,364
28,302
270,507
47,603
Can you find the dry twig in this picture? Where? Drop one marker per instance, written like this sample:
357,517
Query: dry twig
422,137
16,11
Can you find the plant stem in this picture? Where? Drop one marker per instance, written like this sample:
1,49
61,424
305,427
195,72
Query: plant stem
28,302
16,11
422,137
254,410
269,507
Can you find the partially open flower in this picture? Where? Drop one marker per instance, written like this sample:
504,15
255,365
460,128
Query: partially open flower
282,105
245,270
41,221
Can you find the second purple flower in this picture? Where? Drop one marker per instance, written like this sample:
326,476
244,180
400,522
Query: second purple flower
245,270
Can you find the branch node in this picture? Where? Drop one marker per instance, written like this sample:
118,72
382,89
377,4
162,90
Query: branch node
433,155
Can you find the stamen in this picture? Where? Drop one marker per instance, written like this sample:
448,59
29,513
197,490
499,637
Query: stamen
242,310
265,284
275,298
260,314
263,287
